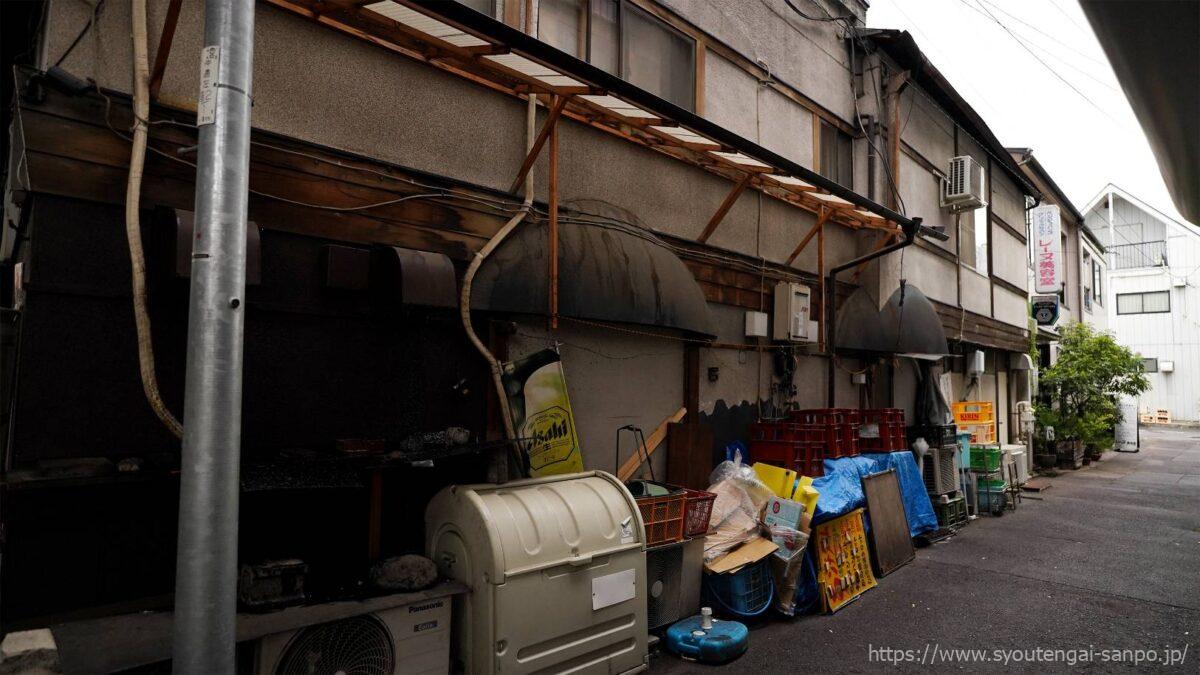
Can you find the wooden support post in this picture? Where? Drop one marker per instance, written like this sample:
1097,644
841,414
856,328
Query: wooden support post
825,213
895,85
553,228
725,206
691,380
556,109
164,48
821,283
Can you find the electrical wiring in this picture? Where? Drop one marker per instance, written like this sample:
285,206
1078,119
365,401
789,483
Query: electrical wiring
1057,39
96,8
1041,61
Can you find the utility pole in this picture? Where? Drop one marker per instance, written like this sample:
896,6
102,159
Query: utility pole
206,558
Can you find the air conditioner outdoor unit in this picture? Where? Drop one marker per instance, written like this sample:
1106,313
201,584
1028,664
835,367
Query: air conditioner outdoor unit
792,304
673,581
938,471
963,188
411,638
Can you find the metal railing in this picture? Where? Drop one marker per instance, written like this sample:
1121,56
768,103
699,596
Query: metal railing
1141,254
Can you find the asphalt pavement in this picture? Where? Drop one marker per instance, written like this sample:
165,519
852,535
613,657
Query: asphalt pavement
1102,570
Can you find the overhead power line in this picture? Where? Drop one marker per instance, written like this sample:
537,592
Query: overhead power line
1039,59
1057,39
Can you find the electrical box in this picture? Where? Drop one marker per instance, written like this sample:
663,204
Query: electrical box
1166,366
975,363
963,188
792,304
756,324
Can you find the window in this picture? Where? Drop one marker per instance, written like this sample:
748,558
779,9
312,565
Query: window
1154,302
561,24
482,6
973,247
836,160
1149,365
657,58
1097,282
621,39
1087,299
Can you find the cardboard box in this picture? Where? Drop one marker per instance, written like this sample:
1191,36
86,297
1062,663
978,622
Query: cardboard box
752,551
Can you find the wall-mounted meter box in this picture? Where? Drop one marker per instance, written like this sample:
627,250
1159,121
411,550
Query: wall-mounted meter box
975,363
756,324
792,304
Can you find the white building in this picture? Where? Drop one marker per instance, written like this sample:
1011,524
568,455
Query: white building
1153,263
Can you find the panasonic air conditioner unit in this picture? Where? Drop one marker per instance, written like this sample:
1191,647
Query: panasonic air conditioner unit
411,638
792,304
963,188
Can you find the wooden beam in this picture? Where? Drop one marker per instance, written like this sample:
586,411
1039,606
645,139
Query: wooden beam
551,119
824,215
895,85
553,228
723,209
164,48
630,466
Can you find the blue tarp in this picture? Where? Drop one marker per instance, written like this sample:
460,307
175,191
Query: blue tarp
841,492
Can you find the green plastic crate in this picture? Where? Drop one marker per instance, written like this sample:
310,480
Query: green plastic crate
985,459
991,484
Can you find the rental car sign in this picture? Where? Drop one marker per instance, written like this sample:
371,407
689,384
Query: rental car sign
1047,248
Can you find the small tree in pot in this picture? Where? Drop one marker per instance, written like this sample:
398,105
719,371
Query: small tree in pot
1080,391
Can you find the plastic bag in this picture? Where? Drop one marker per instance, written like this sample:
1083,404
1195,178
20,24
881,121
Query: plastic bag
741,497
786,566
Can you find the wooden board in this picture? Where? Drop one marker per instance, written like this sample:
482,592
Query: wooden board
631,465
891,545
690,455
1037,484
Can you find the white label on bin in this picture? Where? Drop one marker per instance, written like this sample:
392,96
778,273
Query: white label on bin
612,589
627,531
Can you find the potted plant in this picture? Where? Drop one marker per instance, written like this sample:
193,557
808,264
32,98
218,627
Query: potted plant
1079,392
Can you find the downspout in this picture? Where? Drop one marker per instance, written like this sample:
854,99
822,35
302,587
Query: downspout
481,255
910,237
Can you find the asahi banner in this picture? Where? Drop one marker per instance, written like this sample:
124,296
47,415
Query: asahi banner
1047,248
541,413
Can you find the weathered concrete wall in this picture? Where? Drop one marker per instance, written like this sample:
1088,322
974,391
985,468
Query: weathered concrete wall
1010,259
1011,308
597,364
808,55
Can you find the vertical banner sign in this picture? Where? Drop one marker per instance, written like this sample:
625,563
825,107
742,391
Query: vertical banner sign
541,412
1047,248
1126,436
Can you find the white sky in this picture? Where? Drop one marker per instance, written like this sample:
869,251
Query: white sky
1083,146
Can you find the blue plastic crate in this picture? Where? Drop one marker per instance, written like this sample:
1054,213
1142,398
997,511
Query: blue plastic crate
746,593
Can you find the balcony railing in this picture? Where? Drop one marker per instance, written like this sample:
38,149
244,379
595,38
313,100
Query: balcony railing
1141,254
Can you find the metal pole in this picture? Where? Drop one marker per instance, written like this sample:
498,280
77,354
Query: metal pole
206,565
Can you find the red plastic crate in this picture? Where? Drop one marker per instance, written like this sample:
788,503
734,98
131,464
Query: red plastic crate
803,457
892,433
837,429
697,512
663,517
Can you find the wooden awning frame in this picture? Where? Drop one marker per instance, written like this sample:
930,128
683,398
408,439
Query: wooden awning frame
457,39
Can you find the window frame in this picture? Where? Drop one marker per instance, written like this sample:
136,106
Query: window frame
1097,282
1142,296
838,135
1149,358
624,7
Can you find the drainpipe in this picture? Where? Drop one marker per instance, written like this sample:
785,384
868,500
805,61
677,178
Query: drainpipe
206,563
910,236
